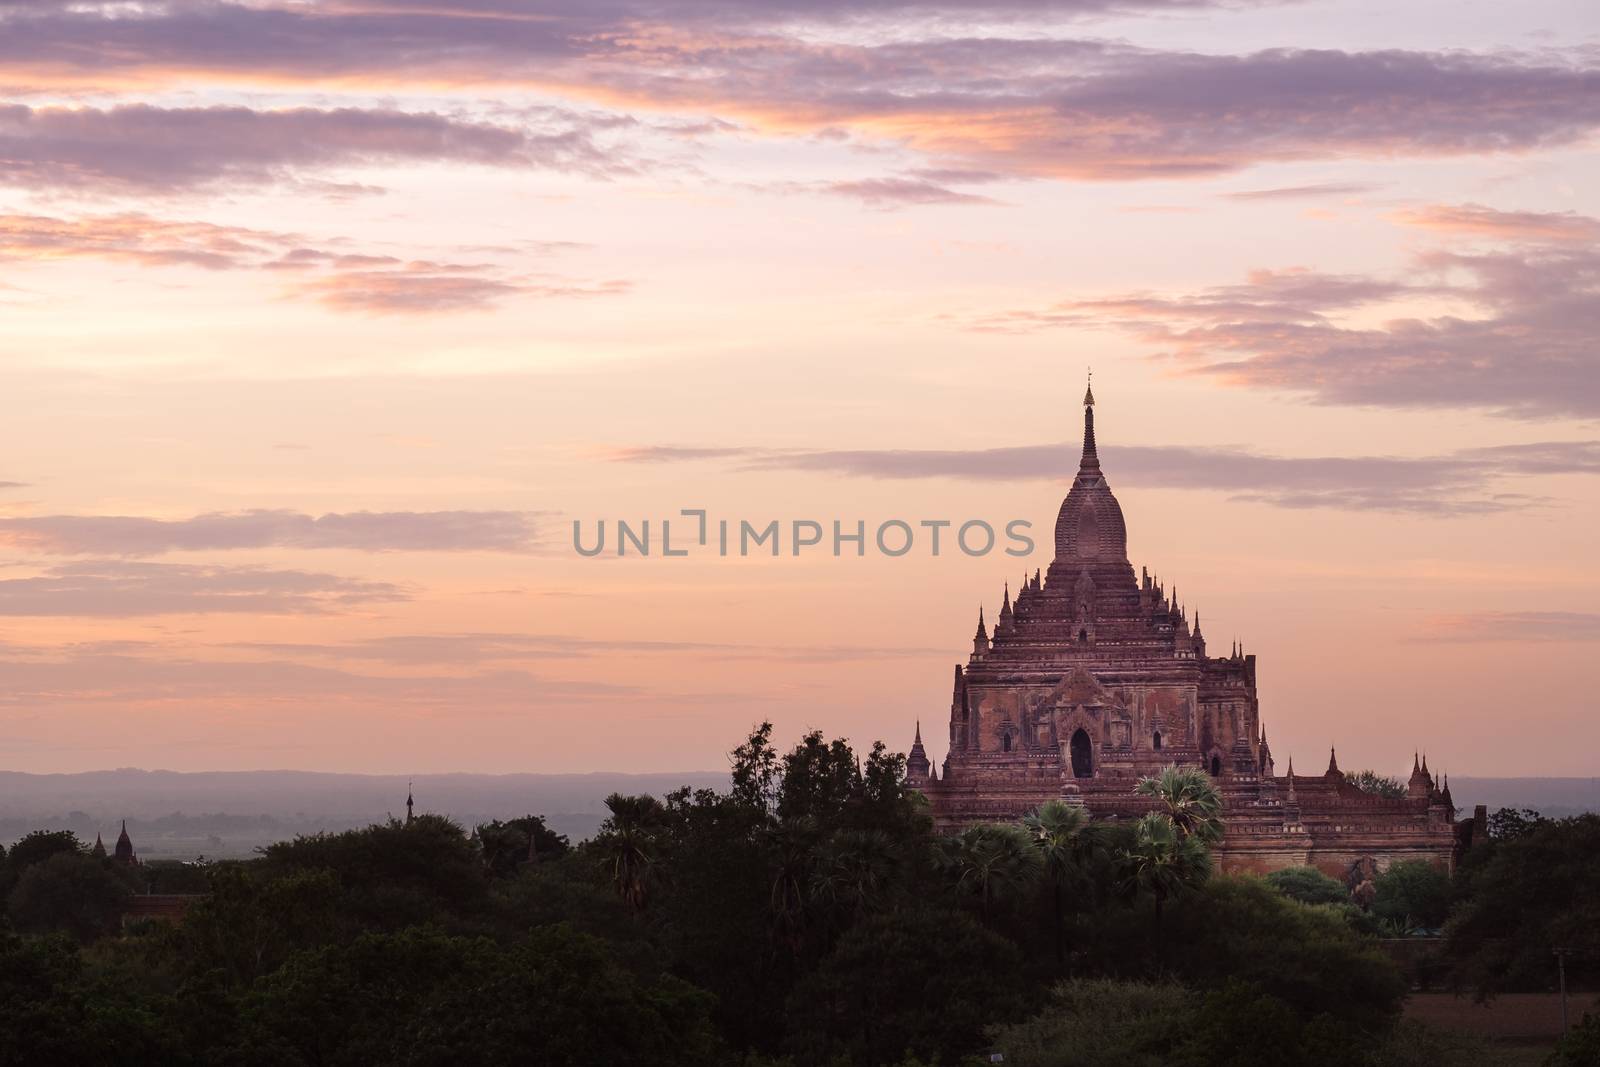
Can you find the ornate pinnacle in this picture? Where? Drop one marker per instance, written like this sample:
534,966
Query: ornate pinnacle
1091,459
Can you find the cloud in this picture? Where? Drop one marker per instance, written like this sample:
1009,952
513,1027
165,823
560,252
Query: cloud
339,277
123,676
1464,482
13,485
1475,220
481,648
1295,295
143,240
890,193
1513,626
366,531
1032,104
430,287
118,589
1522,345
669,453
143,149
1304,192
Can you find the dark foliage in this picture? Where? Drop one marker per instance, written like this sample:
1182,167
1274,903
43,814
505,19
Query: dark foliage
1308,885
421,997
1581,1045
1523,895
919,981
508,845
1379,785
1307,957
806,916
1412,895
71,892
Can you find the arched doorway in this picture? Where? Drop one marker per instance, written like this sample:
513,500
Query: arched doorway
1216,766
1082,755
1155,741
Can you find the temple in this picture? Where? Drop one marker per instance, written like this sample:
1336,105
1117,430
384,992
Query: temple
1094,677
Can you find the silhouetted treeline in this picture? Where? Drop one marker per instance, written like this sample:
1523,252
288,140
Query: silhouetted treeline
806,915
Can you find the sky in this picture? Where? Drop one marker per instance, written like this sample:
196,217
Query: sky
325,322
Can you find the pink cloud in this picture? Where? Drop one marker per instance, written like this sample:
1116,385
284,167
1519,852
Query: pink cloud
116,589
1030,104
1528,351
1469,481
140,148
367,531
339,278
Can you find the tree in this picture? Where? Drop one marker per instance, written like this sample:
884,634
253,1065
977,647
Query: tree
1163,862
392,874
627,839
1189,800
1413,894
506,845
711,905
1508,823
917,981
756,773
1306,956
818,779
1522,897
52,1013
71,893
252,920
1093,1022
991,862
854,870
1580,1046
36,847
421,997
1060,832
1308,885
791,846
1378,785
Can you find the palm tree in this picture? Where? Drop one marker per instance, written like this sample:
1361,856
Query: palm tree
855,868
1189,799
1163,861
1060,834
791,844
628,840
991,862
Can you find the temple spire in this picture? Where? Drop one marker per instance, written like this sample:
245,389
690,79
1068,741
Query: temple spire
409,802
1091,459
918,768
1333,762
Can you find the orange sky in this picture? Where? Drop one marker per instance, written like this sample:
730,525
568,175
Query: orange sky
319,337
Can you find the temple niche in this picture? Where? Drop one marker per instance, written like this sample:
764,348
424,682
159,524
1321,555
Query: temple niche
1094,677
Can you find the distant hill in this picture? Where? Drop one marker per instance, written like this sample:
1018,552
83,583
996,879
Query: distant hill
218,814
222,814
1552,797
